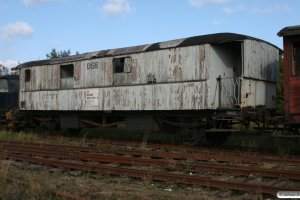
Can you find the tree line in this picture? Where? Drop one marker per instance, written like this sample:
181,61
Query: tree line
59,54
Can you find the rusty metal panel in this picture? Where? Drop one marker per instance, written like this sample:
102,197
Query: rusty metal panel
217,38
225,68
49,76
44,77
248,93
294,96
261,60
271,93
47,100
185,79
69,100
42,100
41,78
173,96
256,93
261,63
292,83
22,79
122,98
94,73
229,92
66,83
164,97
170,65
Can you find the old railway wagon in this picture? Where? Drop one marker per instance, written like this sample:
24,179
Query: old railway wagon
291,40
190,85
9,90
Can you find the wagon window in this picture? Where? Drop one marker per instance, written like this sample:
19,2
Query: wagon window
3,85
122,65
27,75
295,71
66,76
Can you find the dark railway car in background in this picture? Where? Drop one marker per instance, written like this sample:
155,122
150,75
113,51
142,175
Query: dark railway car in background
9,92
291,42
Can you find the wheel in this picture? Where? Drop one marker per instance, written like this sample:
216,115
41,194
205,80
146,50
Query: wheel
217,138
191,136
54,126
246,124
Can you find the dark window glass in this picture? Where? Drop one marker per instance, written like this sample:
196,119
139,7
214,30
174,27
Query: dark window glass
122,65
3,85
66,76
118,64
27,75
295,71
66,71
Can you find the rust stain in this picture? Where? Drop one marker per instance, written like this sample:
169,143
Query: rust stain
177,73
173,56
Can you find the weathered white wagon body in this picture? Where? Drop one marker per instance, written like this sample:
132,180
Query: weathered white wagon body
210,72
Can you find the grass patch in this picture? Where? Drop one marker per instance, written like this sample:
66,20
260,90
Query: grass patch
40,184
253,140
18,136
265,142
27,187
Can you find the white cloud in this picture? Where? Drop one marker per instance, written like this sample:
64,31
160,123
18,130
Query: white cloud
199,3
116,7
277,8
33,2
216,21
17,29
231,10
9,63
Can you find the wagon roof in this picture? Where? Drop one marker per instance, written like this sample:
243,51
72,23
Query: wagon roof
190,41
290,30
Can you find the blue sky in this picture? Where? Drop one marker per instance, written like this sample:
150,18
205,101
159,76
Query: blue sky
29,29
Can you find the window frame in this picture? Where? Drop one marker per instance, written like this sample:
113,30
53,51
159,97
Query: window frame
295,66
67,76
126,63
27,76
4,89
65,70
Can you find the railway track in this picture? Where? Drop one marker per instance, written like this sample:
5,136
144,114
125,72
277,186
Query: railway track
234,151
211,168
161,166
199,154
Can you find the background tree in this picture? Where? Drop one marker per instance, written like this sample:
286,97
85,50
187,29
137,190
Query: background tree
3,70
59,54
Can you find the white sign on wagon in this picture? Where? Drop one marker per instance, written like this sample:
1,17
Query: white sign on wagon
91,97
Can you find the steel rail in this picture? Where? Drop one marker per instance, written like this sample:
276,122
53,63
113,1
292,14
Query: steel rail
179,148
158,176
194,167
200,156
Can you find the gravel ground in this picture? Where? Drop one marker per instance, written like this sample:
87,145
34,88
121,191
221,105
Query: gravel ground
25,181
